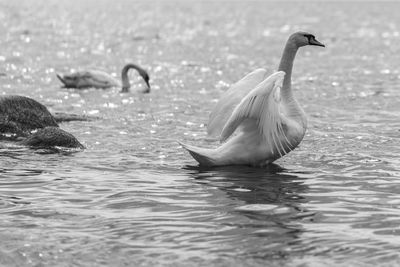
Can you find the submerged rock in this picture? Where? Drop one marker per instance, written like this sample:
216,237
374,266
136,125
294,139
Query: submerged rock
52,136
20,115
24,118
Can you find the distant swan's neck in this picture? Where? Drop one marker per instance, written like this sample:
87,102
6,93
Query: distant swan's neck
286,65
126,85
125,80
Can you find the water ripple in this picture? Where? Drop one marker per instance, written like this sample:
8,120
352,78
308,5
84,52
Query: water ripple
135,197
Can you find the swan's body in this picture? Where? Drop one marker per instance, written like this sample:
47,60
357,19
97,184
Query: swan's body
102,80
88,79
23,117
258,117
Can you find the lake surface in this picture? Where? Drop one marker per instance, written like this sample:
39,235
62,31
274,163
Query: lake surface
134,197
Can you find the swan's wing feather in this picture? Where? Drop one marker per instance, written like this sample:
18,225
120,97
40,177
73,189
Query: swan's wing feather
231,98
263,105
99,78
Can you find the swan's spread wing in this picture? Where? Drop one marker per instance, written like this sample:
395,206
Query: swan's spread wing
231,98
263,105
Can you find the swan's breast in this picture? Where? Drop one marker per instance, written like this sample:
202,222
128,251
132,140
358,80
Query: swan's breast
294,129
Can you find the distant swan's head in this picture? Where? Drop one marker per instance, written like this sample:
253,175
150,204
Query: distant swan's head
304,38
125,80
146,79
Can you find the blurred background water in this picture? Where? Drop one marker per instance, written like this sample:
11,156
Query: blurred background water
134,197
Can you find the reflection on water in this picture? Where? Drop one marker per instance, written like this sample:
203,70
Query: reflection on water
132,199
254,185
266,203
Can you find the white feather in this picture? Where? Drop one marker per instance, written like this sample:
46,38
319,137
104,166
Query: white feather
231,98
259,130
258,119
264,106
97,79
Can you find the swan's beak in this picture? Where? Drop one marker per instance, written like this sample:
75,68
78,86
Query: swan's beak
313,41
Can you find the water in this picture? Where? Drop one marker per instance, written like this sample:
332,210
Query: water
135,198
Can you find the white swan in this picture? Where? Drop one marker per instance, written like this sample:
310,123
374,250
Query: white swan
102,80
262,112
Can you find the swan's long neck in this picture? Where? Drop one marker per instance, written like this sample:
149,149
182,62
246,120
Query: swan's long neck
293,108
124,76
286,65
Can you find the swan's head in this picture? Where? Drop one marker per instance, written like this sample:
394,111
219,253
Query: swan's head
304,38
146,79
125,80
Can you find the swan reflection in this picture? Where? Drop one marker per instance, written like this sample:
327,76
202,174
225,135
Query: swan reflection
266,202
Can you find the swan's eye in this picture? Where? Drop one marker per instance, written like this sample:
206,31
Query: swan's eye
310,37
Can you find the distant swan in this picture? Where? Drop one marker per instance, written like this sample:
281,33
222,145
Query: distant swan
262,112
23,117
102,80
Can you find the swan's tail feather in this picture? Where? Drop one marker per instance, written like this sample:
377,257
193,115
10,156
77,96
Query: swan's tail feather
201,155
60,77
